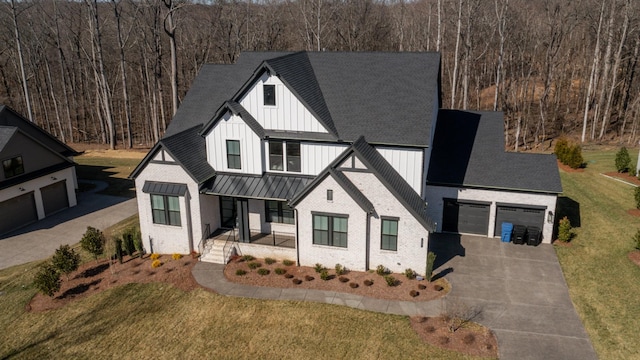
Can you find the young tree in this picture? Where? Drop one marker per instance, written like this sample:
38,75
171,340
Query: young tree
623,160
93,242
66,260
47,279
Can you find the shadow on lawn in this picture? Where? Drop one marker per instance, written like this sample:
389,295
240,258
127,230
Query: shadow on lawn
117,186
79,289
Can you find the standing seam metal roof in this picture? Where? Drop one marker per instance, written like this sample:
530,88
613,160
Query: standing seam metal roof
268,186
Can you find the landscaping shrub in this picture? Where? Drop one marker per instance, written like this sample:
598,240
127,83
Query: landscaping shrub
137,243
65,260
353,285
156,263
636,196
623,160
254,265
309,278
93,242
343,279
636,239
154,256
318,267
431,259
368,282
414,293
128,242
574,158
340,270
561,149
381,270
280,271
47,279
117,244
176,256
391,281
248,258
288,276
297,281
288,262
324,275
269,261
240,272
263,272
565,232
409,273
422,286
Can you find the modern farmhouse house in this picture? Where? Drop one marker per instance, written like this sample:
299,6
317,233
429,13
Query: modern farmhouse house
325,157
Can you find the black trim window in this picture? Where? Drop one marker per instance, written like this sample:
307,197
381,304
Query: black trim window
277,149
389,238
165,209
269,92
233,154
279,212
13,167
330,230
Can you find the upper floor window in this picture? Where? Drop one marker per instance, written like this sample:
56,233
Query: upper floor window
277,151
165,209
269,92
233,154
13,167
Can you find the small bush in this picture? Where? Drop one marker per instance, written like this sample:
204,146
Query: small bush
240,272
47,279
381,270
263,271
565,232
414,293
623,160
324,275
254,265
154,256
248,258
343,279
431,260
422,286
575,159
636,195
561,149
410,274
280,271
269,261
318,267
288,276
368,282
176,256
297,281
117,244
340,270
65,260
93,242
288,262
156,263
353,285
391,281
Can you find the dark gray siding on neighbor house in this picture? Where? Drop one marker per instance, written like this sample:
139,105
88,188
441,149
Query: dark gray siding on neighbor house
34,156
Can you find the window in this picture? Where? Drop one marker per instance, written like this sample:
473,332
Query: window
330,230
389,239
277,149
275,155
269,95
279,212
166,209
13,167
233,154
329,195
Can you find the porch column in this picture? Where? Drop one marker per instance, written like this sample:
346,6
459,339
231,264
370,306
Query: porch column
242,221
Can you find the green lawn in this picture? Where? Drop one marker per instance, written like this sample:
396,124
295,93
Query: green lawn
604,284
111,169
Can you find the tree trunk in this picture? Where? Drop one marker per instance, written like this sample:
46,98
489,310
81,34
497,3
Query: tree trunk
25,87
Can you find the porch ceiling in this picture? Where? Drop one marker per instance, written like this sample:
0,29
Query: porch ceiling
267,186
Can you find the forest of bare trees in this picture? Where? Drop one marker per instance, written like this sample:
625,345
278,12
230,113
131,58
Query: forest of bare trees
115,71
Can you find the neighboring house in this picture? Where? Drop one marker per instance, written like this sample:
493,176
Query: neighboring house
38,175
333,158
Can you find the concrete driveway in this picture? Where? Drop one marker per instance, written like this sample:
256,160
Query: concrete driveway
41,239
520,292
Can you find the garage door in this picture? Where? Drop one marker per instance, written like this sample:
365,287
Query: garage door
519,215
17,212
54,197
465,217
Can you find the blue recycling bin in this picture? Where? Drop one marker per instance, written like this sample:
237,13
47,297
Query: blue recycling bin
507,228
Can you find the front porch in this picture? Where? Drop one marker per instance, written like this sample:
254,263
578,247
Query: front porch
224,243
275,238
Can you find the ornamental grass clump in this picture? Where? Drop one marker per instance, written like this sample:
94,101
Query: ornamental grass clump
263,271
318,267
154,256
254,265
410,274
288,262
269,261
176,256
324,275
156,263
241,272
280,271
382,270
391,281
248,258
340,270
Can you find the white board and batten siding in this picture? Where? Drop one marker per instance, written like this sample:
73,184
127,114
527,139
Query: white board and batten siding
407,162
232,127
289,114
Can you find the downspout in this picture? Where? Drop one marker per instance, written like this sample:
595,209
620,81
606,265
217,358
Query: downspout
367,242
297,237
187,204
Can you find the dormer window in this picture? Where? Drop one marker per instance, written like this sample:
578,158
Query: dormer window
277,160
13,167
269,92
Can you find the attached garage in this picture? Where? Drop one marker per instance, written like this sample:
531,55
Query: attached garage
55,197
17,212
468,217
518,215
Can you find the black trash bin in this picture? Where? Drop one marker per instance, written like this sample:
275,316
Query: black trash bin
533,235
519,232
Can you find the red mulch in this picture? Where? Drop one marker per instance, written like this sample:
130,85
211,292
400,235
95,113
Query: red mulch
562,244
624,176
634,212
635,257
473,340
567,168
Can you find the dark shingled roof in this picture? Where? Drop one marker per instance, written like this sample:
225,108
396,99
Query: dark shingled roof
267,186
468,151
6,133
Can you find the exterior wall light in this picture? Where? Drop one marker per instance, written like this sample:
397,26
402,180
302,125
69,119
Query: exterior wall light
550,217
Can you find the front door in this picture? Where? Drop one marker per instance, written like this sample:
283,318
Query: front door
228,211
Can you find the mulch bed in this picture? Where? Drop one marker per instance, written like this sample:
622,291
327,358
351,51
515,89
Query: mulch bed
471,339
567,168
634,212
624,176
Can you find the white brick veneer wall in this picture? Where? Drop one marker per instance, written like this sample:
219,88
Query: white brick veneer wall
436,194
411,251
